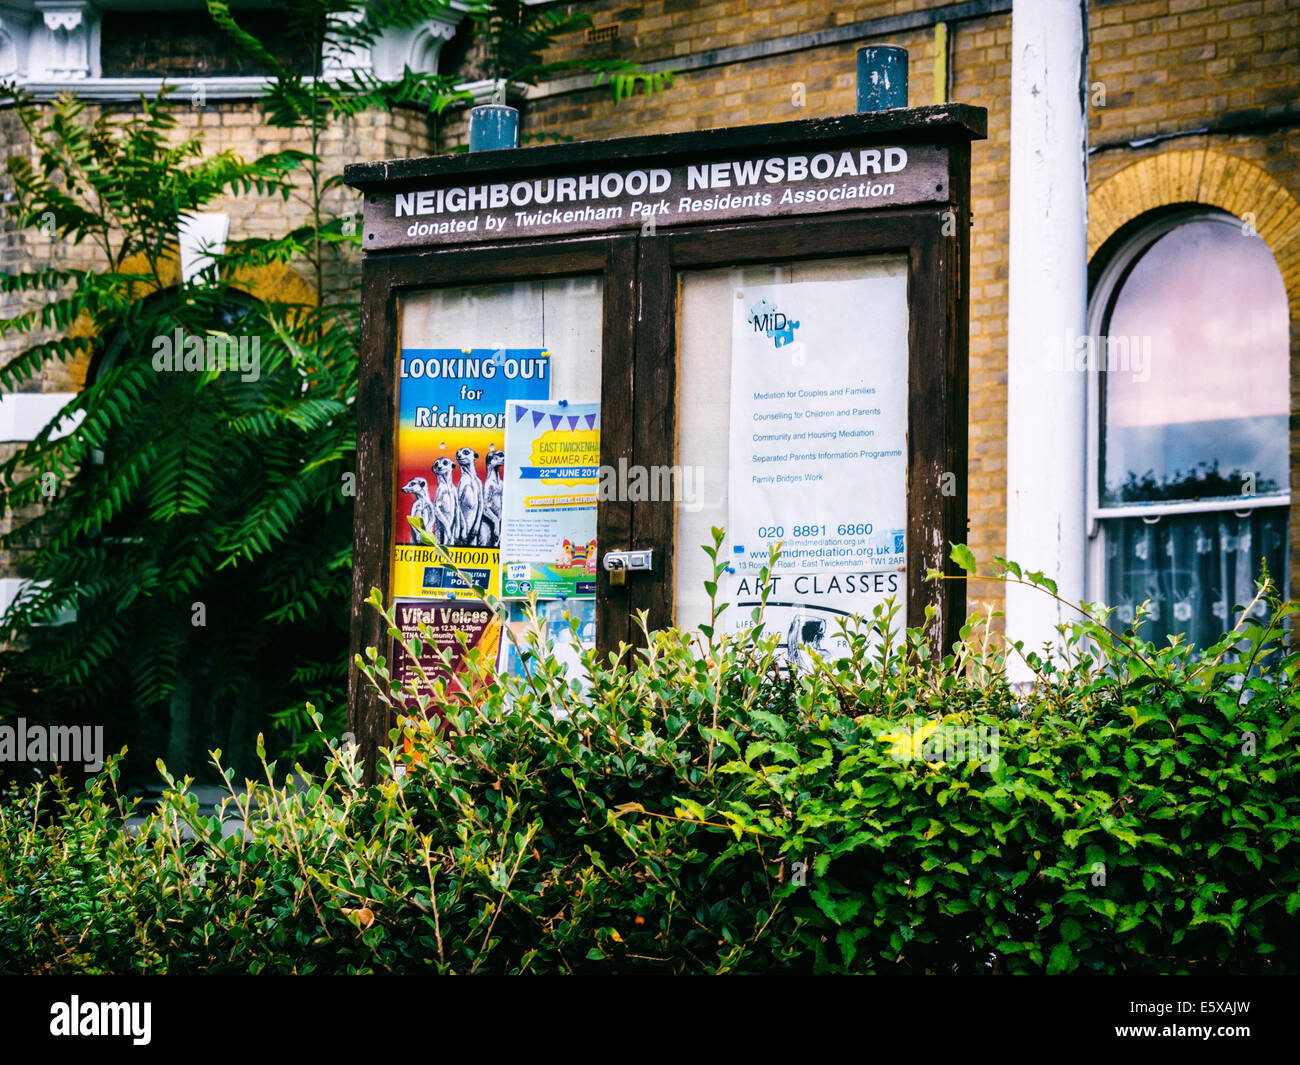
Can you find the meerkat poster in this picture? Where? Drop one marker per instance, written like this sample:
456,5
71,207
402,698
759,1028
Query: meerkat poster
450,462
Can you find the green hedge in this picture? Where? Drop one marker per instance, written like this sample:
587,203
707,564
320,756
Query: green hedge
698,809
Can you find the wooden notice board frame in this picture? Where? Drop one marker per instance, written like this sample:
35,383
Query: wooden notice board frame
426,227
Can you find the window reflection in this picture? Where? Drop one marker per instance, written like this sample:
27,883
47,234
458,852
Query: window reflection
1208,417
1194,427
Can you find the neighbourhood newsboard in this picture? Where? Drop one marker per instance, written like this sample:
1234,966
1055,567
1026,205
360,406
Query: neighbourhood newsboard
785,302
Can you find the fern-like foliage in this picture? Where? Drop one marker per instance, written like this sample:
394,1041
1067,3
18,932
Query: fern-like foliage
196,523
519,35
337,29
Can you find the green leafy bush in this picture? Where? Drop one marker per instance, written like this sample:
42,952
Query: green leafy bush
696,808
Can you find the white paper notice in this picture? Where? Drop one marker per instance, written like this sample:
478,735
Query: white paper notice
818,451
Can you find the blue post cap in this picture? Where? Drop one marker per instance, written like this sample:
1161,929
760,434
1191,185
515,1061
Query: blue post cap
882,78
493,126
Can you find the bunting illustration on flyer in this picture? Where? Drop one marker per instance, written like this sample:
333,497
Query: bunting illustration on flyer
548,545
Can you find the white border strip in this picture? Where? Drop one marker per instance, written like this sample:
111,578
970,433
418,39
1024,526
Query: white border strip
24,414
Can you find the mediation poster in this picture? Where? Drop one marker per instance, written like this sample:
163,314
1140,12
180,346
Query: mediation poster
548,544
818,453
451,461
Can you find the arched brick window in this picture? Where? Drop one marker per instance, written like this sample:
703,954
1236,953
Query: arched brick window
1189,457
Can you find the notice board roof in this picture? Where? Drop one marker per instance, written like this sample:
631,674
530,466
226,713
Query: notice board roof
912,124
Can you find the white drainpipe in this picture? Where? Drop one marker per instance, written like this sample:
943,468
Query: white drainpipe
1047,303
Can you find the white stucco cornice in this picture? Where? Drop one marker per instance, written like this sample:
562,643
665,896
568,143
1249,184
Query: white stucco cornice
49,47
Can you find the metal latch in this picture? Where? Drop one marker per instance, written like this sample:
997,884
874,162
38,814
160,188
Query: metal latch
618,564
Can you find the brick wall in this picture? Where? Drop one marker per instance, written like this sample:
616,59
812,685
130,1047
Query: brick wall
981,74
